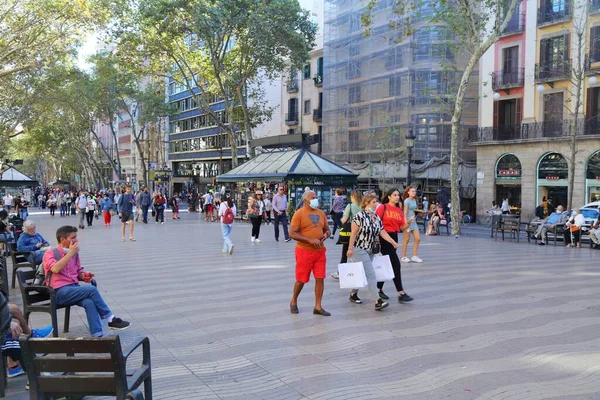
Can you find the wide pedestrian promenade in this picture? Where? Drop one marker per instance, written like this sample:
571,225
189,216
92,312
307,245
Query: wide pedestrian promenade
490,319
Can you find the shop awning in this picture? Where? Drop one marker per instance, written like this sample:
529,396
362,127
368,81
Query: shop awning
298,166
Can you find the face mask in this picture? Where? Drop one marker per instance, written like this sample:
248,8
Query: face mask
66,249
573,213
370,209
314,204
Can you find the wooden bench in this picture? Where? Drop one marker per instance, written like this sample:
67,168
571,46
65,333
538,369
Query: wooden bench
508,223
558,232
40,298
85,367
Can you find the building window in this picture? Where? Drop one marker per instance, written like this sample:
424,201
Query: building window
307,109
507,112
554,58
553,107
354,94
395,86
353,141
354,70
307,71
595,43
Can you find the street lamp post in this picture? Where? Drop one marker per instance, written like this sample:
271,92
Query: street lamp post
410,143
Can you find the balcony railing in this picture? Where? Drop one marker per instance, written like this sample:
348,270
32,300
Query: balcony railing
547,15
508,78
534,130
515,25
553,70
318,115
594,6
292,85
318,79
291,119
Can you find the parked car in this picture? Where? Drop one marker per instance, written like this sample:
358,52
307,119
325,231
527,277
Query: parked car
590,215
595,205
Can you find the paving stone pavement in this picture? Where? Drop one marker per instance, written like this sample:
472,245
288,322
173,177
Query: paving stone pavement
491,319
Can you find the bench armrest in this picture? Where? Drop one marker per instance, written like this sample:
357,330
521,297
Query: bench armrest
40,289
145,343
25,253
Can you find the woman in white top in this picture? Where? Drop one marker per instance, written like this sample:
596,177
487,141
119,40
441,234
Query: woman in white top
505,208
227,213
572,229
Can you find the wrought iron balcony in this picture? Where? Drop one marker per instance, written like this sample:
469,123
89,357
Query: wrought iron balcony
515,25
318,115
291,119
508,78
292,85
553,70
547,15
318,79
535,130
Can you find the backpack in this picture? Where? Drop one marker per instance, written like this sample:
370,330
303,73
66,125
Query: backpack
228,216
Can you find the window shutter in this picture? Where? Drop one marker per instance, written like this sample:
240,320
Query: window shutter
496,110
518,112
595,44
320,65
543,51
567,39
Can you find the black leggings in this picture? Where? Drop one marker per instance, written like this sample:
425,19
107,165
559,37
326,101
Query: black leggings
90,217
52,210
388,250
256,222
344,258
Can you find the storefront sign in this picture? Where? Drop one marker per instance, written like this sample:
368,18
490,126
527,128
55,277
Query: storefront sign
509,172
552,177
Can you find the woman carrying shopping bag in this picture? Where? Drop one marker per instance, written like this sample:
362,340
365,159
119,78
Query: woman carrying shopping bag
364,244
394,222
351,210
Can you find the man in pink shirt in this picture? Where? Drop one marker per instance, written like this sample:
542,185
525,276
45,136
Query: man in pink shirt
64,275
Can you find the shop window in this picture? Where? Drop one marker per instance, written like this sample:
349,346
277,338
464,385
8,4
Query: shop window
553,167
508,166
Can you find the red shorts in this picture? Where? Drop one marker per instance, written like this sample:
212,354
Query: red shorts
307,261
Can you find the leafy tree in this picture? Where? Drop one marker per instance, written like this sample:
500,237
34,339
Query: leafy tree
222,49
476,26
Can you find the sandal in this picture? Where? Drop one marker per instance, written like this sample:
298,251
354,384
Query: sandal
123,239
132,239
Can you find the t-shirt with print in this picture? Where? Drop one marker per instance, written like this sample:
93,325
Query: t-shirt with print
393,220
311,224
369,228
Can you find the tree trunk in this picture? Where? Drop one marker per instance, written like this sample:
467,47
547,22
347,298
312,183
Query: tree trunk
106,153
119,170
244,104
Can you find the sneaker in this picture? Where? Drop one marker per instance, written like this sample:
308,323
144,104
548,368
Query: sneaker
383,295
16,371
288,240
405,259
231,249
354,298
404,298
118,324
252,240
541,244
42,332
533,237
257,240
415,259
335,275
380,305
223,251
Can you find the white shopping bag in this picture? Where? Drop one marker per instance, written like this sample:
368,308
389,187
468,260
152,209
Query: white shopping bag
352,275
383,268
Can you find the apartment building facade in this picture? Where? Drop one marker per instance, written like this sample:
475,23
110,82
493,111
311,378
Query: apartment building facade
528,112
381,85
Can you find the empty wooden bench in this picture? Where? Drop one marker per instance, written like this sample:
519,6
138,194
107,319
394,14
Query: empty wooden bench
61,367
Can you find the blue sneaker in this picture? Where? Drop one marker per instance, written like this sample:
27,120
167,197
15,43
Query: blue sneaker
16,371
42,332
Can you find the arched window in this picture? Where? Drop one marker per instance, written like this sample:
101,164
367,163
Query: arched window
593,166
508,166
552,167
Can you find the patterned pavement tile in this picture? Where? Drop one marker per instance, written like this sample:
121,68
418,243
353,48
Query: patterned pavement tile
491,319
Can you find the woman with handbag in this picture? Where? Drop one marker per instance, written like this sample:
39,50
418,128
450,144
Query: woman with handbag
346,227
394,222
256,209
364,244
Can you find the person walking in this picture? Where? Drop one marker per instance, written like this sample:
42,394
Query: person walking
159,208
256,209
62,204
106,207
81,204
90,210
310,229
394,222
337,211
52,204
364,244
145,203
280,205
505,208
410,205
126,204
227,213
208,206
268,208
350,211
174,202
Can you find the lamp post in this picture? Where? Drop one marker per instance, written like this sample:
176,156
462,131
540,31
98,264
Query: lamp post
410,143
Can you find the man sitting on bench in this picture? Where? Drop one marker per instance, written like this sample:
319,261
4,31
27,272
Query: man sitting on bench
64,275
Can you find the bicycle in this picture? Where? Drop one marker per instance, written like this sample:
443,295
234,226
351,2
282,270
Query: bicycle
465,219
487,221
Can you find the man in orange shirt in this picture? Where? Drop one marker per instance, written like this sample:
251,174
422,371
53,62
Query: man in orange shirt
309,228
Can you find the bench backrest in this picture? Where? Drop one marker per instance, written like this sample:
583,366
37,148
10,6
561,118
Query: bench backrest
25,278
101,359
